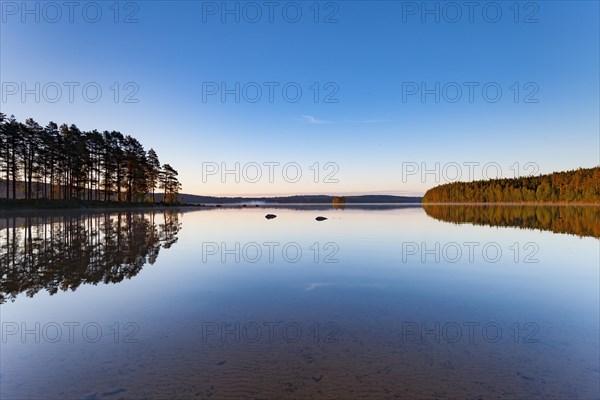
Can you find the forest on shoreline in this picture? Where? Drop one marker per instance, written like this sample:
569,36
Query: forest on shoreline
581,186
65,163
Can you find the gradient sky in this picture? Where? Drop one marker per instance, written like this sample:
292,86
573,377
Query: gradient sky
367,51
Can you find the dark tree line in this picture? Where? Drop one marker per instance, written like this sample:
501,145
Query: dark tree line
579,186
63,162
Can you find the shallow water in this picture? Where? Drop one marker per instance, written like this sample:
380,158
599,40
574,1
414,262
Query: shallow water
374,302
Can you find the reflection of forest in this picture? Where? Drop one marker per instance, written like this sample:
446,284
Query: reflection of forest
63,252
581,221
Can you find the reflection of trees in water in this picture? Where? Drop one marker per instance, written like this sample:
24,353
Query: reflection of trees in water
581,221
62,252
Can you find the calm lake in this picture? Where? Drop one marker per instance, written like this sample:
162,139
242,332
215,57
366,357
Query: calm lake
434,302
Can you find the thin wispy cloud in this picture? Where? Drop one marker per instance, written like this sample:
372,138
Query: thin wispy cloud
315,121
316,285
312,120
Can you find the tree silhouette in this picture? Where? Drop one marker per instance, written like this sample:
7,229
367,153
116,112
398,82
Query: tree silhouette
153,170
169,183
63,162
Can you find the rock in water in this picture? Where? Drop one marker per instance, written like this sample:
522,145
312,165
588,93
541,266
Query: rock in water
270,216
320,218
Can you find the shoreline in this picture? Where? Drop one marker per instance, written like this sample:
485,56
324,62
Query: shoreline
513,204
36,205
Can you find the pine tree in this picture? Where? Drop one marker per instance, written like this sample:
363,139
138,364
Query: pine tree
153,171
65,163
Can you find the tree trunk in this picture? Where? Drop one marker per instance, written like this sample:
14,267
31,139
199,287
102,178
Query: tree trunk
14,176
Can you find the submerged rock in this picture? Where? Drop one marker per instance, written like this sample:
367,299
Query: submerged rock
320,218
270,216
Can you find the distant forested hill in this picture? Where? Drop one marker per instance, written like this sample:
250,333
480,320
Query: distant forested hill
308,199
578,186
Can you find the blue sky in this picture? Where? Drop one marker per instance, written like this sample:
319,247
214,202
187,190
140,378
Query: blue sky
544,57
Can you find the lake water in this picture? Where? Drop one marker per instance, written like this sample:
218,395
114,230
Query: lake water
441,302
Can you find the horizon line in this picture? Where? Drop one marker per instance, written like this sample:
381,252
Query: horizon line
272,195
